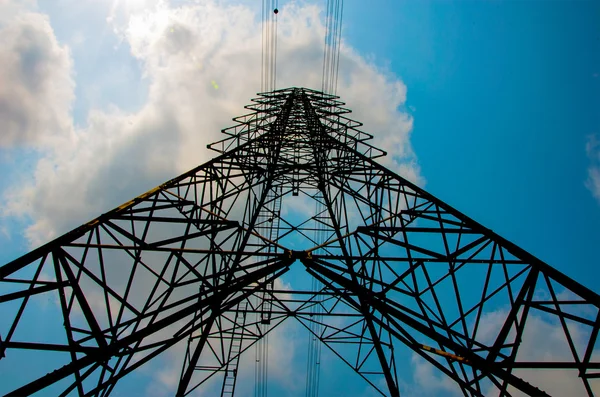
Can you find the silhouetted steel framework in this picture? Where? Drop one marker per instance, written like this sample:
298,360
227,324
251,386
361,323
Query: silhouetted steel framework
193,262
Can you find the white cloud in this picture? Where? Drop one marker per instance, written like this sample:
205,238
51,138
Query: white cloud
36,88
282,352
184,49
11,8
592,149
428,381
118,154
543,340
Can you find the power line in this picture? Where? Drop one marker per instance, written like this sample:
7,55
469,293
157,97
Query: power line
269,14
339,40
331,52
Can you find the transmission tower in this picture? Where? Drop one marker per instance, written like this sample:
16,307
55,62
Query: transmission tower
194,264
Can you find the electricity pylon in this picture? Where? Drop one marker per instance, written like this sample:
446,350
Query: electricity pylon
194,265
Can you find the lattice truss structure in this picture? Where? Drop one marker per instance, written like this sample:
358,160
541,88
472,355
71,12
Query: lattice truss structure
193,263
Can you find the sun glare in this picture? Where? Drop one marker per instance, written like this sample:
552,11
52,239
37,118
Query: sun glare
138,3
145,18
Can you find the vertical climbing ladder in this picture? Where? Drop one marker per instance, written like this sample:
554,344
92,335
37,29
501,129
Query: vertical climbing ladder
235,348
268,227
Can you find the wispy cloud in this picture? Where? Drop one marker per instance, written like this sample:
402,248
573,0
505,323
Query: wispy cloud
592,148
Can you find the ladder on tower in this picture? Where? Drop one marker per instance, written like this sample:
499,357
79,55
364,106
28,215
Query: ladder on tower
270,229
235,349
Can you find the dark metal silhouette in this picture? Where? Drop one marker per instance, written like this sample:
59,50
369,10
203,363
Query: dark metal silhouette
193,264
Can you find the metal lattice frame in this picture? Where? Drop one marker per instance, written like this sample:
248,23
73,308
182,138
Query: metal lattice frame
193,262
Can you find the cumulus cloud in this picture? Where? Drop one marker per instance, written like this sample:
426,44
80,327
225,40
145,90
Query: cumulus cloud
428,381
282,345
543,340
186,52
11,8
36,87
592,149
202,65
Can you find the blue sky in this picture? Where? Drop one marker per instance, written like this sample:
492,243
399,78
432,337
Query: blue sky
506,95
503,98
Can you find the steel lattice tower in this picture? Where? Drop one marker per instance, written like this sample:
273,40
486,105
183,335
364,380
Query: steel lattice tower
194,261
